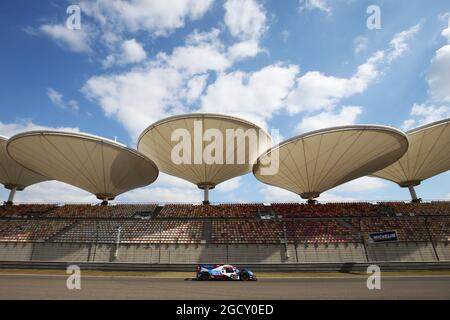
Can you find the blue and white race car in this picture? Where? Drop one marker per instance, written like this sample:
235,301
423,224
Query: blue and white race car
223,272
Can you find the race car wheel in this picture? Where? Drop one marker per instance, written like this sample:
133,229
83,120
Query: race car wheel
245,276
205,276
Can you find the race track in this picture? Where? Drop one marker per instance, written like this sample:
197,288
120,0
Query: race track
126,287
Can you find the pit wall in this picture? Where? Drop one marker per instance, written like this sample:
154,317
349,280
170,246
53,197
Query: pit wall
223,253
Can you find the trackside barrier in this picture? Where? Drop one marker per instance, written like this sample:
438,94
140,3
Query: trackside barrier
306,267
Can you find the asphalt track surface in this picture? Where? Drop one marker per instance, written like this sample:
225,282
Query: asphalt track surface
126,287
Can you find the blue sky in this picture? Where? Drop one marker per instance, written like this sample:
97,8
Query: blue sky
289,65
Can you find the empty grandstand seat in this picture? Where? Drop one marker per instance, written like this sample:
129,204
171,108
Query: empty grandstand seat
302,231
30,230
24,210
132,231
298,210
211,211
98,211
408,228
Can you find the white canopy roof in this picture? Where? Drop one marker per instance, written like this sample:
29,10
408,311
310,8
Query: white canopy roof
12,174
156,142
428,155
92,163
318,161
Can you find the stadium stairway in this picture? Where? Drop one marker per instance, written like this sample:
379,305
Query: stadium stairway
156,212
350,226
207,231
61,231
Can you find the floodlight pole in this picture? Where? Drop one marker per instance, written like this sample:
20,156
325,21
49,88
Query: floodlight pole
12,194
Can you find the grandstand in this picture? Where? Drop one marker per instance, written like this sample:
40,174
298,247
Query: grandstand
235,233
272,233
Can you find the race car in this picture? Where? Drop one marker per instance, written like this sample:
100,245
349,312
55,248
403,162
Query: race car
223,272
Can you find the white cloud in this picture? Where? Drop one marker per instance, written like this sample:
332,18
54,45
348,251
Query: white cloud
10,129
331,197
438,79
136,98
439,75
360,44
346,116
229,185
275,194
399,44
315,91
195,87
133,51
31,31
57,99
245,19
254,96
444,16
165,85
446,32
161,195
54,192
309,5
109,61
109,22
166,189
74,40
361,185
158,18
202,52
244,49
285,34
161,87
422,114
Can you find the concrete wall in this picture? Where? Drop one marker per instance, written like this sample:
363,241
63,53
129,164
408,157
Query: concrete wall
60,252
143,253
443,251
193,253
270,253
401,251
20,251
209,253
330,253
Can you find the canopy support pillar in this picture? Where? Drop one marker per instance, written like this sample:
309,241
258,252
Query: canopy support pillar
12,194
412,191
310,197
206,195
